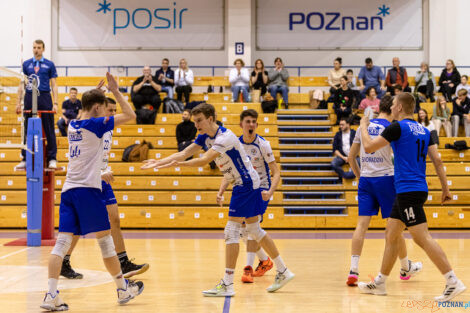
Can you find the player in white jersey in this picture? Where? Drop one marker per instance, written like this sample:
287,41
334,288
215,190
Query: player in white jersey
246,203
82,209
261,155
376,189
128,268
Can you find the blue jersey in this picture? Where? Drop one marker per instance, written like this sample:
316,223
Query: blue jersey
409,141
42,70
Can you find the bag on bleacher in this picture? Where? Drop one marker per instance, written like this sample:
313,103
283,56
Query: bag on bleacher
145,116
458,145
172,106
269,106
137,152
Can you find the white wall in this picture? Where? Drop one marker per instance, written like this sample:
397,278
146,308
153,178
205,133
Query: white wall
447,31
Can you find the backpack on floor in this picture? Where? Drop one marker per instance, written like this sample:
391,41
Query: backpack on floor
172,106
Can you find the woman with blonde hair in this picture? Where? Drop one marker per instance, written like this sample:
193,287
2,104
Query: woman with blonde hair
441,116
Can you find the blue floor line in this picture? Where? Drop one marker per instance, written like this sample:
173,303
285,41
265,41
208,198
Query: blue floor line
226,305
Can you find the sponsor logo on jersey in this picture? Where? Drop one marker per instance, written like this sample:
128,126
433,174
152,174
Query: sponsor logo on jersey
417,129
75,136
374,130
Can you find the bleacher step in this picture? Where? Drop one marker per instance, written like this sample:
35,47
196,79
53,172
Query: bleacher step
315,210
313,195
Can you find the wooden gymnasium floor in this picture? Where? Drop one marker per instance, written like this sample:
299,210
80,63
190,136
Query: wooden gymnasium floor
183,263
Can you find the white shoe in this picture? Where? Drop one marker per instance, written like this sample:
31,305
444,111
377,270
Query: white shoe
221,290
372,288
451,291
21,165
281,280
413,269
53,164
133,289
53,303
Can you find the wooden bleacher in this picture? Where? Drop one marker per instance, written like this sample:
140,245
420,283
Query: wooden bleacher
185,197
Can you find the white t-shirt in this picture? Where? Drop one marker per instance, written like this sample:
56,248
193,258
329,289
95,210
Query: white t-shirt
107,142
346,146
233,161
430,127
86,143
260,154
380,162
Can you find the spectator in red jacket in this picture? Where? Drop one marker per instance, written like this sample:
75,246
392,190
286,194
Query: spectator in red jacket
397,76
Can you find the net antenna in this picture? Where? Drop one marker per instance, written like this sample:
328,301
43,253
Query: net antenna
12,132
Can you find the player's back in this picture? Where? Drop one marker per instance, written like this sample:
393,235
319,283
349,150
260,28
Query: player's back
86,152
410,151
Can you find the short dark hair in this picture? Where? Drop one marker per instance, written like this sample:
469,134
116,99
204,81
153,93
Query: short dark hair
110,100
91,97
349,71
250,113
465,76
206,109
385,104
165,59
340,60
73,88
344,77
368,60
346,120
40,42
277,59
369,89
398,87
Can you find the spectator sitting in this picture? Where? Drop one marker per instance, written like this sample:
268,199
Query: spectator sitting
424,120
145,90
460,116
71,109
450,78
462,85
370,104
441,116
343,101
341,146
397,76
334,76
425,82
166,78
239,78
278,77
352,84
185,131
371,76
184,79
259,77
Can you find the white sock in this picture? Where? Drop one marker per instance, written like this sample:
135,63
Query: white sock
52,284
381,278
405,264
355,263
262,256
450,277
228,276
280,266
119,280
250,258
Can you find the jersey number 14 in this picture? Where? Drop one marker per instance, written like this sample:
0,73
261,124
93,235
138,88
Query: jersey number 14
421,154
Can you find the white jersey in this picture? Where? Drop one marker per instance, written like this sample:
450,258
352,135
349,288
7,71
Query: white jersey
379,163
86,143
261,155
107,141
233,161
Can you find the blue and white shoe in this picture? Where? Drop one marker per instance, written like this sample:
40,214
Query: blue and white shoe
133,289
53,303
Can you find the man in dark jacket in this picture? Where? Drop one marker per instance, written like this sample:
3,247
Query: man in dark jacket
397,76
185,131
145,90
460,111
166,78
341,146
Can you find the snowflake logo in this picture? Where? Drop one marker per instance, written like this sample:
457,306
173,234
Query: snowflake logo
383,10
105,7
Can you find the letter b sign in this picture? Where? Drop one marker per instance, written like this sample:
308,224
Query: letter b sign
239,48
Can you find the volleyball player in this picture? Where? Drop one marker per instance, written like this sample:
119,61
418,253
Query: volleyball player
411,143
262,157
128,268
246,203
82,209
376,189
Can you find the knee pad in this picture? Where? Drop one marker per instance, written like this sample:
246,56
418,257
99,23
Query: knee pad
232,232
62,244
255,231
107,246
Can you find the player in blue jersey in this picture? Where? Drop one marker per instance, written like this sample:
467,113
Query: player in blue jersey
262,157
411,143
375,176
82,209
246,203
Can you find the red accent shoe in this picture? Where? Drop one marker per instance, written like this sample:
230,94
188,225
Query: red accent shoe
352,279
247,276
263,267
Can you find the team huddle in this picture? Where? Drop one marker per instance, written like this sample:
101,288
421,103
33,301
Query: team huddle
248,164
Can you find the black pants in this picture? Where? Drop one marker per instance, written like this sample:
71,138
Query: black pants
140,100
447,91
183,90
62,125
47,119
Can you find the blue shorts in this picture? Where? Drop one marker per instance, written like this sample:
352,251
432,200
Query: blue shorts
265,204
375,192
82,211
246,202
107,193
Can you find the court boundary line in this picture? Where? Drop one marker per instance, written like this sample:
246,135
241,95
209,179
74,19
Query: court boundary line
226,305
13,253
